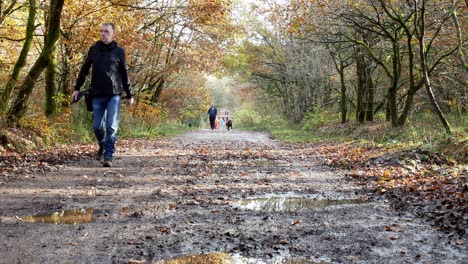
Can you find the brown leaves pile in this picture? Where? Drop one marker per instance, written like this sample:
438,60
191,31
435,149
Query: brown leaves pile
31,163
431,184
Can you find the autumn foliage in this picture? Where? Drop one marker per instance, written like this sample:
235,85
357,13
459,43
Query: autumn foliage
164,42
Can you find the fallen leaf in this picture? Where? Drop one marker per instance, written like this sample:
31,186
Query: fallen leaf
459,242
296,222
124,210
391,229
164,230
134,261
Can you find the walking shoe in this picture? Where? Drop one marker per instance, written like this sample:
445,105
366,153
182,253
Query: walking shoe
107,163
100,153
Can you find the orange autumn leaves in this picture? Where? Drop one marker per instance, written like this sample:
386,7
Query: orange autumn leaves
427,178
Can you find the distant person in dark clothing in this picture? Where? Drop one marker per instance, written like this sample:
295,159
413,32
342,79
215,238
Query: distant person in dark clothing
229,124
212,115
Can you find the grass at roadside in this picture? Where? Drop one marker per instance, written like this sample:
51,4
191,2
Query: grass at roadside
163,129
421,131
74,127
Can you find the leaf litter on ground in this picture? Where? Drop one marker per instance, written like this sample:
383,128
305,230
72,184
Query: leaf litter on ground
426,182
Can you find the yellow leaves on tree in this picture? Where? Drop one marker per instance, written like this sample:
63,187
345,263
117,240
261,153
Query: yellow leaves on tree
208,12
188,99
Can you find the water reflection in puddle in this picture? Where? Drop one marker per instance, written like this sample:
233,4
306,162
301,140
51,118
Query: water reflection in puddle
196,259
70,217
291,204
224,258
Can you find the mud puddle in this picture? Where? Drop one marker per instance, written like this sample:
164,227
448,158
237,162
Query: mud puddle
224,258
67,217
291,204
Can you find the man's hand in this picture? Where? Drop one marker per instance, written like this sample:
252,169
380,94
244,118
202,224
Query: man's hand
75,96
130,101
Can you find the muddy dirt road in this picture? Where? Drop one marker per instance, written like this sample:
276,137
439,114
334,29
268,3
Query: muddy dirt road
208,197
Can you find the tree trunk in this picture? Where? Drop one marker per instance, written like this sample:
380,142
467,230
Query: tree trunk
51,85
19,107
408,106
64,83
370,95
413,87
365,86
159,87
427,81
360,85
5,97
461,54
343,95
388,116
340,65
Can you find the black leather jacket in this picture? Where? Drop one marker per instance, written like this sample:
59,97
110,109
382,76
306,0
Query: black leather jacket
109,76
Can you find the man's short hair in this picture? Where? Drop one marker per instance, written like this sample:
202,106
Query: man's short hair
109,24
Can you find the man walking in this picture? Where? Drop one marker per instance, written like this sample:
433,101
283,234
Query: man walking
212,114
109,79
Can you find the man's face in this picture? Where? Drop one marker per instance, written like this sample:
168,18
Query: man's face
107,34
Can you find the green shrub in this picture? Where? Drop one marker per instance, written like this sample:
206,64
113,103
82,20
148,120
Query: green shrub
247,118
318,117
82,124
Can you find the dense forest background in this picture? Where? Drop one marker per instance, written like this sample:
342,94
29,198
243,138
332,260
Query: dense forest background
399,67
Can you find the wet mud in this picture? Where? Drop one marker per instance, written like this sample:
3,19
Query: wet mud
208,197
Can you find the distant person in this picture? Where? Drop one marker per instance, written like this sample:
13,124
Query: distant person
229,124
217,123
109,79
212,112
221,123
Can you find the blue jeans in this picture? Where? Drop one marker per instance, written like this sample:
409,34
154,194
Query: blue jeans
110,108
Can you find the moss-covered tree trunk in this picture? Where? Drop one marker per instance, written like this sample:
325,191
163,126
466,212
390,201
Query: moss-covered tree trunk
461,54
365,93
344,112
64,86
19,106
341,63
6,94
370,97
51,85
